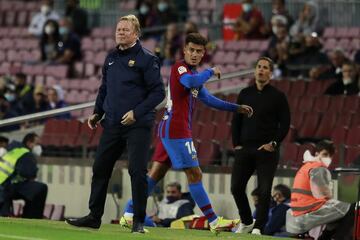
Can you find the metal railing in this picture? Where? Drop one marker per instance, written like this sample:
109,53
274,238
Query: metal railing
51,113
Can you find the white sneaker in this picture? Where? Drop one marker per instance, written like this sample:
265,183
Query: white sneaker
245,228
256,231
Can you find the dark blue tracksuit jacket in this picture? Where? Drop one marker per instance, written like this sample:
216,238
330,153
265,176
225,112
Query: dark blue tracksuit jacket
131,81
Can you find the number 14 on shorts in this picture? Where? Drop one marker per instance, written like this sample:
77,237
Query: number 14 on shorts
191,149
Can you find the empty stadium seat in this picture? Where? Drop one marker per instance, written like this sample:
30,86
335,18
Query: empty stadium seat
326,125
207,152
351,153
353,136
58,213
309,126
298,88
289,154
48,210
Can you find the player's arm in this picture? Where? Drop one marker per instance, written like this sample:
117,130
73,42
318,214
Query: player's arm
198,79
210,100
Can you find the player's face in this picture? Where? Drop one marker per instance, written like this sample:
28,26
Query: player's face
193,53
263,72
125,33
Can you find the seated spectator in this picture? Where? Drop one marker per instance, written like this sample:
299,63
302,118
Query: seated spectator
146,13
277,214
23,90
308,20
170,45
55,98
78,16
37,103
49,42
174,206
38,20
279,9
18,182
166,12
312,203
250,24
332,70
348,84
69,48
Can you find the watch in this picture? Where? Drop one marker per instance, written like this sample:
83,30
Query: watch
274,144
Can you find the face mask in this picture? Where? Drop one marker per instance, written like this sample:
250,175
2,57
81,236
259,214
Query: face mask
45,9
49,29
144,9
247,7
162,6
326,161
37,150
347,81
10,97
64,30
171,199
275,29
3,151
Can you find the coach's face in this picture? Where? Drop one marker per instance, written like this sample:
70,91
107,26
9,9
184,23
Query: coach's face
125,33
263,72
193,53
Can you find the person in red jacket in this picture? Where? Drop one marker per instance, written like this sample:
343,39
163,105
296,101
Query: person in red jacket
312,203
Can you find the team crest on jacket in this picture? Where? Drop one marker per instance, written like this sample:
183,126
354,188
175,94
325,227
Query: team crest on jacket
131,63
182,70
194,92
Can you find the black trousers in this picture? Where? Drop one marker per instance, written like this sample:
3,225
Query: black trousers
32,192
112,144
247,160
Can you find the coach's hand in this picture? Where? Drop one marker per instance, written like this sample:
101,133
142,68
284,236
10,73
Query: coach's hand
93,121
245,109
267,147
128,118
217,72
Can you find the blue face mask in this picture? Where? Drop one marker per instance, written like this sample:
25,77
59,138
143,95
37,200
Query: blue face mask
144,9
171,199
10,97
247,7
162,6
64,30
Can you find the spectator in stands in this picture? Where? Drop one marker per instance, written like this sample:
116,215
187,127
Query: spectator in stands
166,12
37,103
312,203
46,13
348,84
279,9
332,70
170,45
55,98
4,142
190,27
275,225
174,206
49,41
250,24
256,142
146,13
23,90
69,48
18,181
78,16
308,20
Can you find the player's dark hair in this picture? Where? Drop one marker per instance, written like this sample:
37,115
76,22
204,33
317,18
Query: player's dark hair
325,145
269,60
196,38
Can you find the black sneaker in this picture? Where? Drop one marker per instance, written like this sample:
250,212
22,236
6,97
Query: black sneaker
138,228
86,222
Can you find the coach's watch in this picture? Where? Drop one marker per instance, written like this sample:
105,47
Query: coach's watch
274,144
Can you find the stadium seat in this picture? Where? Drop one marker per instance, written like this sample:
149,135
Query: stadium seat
353,136
207,115
291,135
222,133
293,103
289,154
48,210
58,213
17,208
306,104
208,151
207,131
297,119
284,86
336,104
339,134
309,126
326,126
316,88
344,119
96,137
351,153
321,104
71,133
351,104
298,88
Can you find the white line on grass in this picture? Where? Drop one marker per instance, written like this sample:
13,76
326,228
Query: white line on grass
20,237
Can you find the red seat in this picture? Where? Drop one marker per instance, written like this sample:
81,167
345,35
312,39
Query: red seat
71,133
306,104
96,137
289,154
315,88
207,115
222,133
351,104
290,137
321,104
339,135
344,120
297,119
298,88
351,153
208,152
309,125
54,132
326,125
353,136
284,86
293,103
207,131
336,104
84,136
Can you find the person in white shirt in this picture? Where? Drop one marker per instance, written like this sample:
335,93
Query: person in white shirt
38,20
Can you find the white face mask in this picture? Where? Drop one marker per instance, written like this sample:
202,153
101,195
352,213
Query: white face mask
247,7
144,9
326,161
347,81
45,9
275,29
3,151
49,29
37,150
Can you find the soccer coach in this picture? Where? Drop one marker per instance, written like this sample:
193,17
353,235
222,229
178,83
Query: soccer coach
131,88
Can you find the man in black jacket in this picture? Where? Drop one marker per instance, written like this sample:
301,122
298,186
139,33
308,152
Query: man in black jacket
131,89
18,170
256,141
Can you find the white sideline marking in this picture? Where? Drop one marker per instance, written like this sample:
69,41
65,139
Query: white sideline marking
20,237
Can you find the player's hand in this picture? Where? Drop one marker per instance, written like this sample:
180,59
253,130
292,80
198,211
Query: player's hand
245,109
217,72
93,121
128,118
267,147
156,219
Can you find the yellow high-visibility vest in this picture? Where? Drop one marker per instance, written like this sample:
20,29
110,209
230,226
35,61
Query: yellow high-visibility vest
8,162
